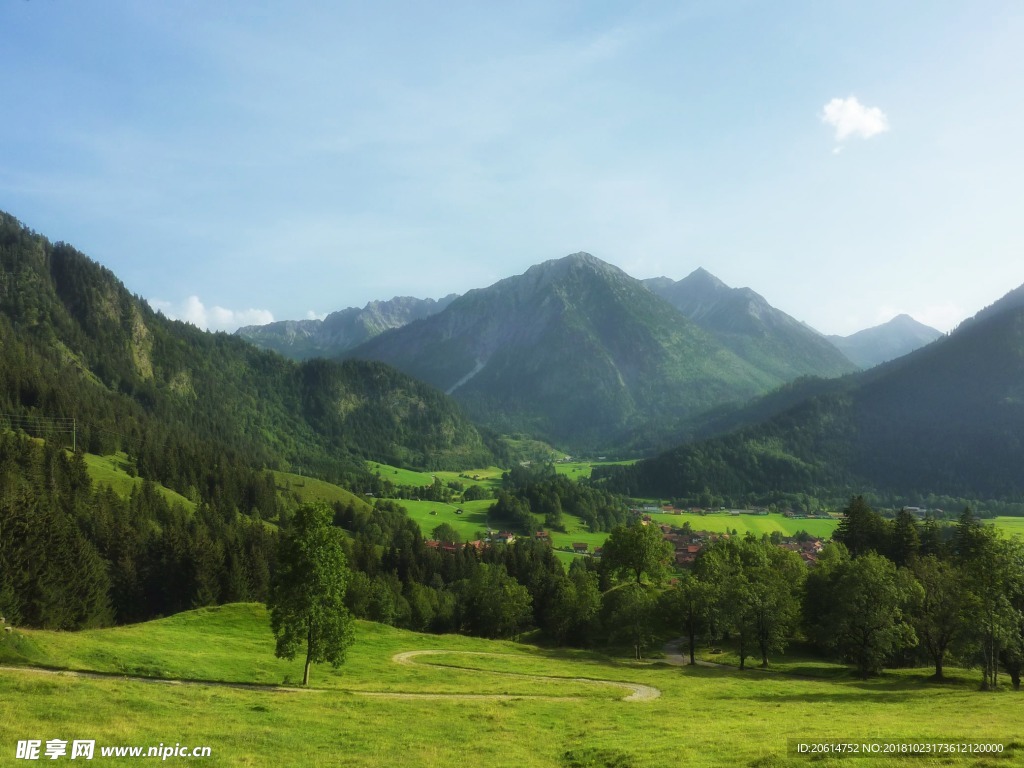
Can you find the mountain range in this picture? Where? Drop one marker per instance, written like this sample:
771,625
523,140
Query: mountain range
340,331
581,354
945,419
574,350
746,323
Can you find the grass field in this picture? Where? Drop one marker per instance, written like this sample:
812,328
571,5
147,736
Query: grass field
473,519
400,476
487,477
576,470
113,471
758,524
448,715
1011,526
309,489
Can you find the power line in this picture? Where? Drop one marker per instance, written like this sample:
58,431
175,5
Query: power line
55,424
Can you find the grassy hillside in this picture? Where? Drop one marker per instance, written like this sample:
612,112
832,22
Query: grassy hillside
442,709
302,489
112,471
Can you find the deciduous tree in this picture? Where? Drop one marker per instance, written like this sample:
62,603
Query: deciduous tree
307,599
636,550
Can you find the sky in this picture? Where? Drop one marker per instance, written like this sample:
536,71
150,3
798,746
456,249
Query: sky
239,162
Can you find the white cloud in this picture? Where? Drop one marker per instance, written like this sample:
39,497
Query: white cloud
311,315
214,318
851,118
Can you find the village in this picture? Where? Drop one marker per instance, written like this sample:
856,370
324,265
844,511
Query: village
686,542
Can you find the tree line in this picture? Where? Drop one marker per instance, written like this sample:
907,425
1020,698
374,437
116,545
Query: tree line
884,593
73,555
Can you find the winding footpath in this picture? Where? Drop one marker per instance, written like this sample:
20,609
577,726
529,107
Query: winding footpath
637,691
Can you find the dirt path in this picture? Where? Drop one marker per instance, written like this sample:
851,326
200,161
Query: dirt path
637,691
674,656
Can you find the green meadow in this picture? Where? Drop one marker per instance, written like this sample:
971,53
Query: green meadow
113,471
472,702
487,477
302,489
723,522
400,476
430,514
1011,526
576,470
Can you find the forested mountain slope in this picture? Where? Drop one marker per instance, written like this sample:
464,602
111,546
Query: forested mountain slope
946,419
746,323
75,343
574,351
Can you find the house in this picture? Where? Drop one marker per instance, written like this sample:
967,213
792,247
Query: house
598,551
542,536
580,547
505,537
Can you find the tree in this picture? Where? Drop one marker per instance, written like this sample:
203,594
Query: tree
756,587
993,568
636,550
687,608
493,603
446,534
772,604
307,598
905,541
862,529
939,617
862,610
629,613
574,606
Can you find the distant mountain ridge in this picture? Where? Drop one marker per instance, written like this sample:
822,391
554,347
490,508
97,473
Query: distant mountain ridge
342,330
577,351
746,323
873,346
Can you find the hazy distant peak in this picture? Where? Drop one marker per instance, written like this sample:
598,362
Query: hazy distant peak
557,269
896,338
343,329
658,284
704,279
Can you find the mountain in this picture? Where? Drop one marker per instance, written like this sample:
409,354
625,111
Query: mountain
946,419
340,331
746,323
898,337
182,402
574,351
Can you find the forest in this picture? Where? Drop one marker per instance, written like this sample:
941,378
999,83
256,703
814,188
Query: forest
884,593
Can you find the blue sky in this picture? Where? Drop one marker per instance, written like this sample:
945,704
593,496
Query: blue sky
234,162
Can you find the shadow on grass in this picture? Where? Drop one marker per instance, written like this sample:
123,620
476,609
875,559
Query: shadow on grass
832,697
